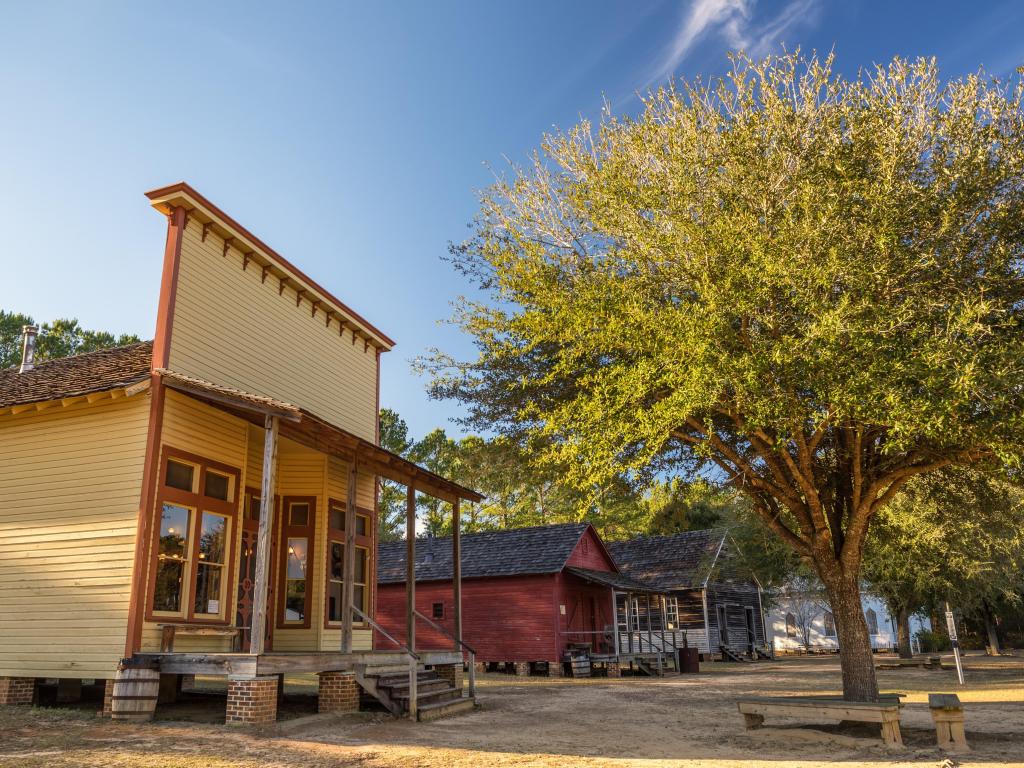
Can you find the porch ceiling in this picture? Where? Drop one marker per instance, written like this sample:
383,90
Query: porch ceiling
307,429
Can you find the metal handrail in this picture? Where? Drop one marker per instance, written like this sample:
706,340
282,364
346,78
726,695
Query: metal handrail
445,632
469,648
384,632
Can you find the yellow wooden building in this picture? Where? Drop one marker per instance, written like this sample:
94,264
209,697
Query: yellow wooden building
205,503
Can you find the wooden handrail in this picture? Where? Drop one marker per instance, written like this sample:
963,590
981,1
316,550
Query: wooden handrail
384,632
445,632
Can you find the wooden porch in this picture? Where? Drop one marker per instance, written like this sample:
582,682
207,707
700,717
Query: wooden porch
286,662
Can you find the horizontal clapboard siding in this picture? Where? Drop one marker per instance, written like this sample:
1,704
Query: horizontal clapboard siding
233,329
70,483
504,619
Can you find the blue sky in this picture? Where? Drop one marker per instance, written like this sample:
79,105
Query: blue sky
353,137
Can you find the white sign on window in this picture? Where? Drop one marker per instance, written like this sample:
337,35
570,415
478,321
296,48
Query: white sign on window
561,609
213,606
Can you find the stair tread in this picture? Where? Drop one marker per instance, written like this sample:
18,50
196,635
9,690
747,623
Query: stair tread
429,694
442,708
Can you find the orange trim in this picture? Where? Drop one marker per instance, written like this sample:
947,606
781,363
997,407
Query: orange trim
136,601
184,187
176,221
199,502
308,532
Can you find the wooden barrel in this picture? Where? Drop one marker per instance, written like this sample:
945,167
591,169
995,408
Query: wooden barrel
581,666
136,688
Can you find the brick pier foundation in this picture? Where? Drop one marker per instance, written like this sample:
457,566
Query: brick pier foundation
452,673
614,670
339,692
251,700
17,690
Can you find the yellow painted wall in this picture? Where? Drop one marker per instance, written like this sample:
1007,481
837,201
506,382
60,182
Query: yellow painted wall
70,484
231,328
193,426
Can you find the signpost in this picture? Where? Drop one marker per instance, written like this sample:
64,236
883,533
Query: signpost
951,627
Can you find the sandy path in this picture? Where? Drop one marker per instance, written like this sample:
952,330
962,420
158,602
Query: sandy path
641,723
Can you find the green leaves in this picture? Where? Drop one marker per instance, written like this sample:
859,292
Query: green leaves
60,338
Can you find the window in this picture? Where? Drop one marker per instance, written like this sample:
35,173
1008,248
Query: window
211,563
671,613
297,535
872,619
437,609
197,500
790,625
172,558
180,475
336,536
830,624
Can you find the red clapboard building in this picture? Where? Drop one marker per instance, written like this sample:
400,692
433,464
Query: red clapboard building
529,595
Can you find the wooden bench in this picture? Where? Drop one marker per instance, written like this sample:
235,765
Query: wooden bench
886,711
948,714
169,631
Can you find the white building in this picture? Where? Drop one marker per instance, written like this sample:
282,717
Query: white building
800,621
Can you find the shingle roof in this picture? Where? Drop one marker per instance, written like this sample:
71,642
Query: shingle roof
679,561
610,579
77,375
516,552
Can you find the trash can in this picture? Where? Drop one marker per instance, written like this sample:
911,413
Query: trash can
688,660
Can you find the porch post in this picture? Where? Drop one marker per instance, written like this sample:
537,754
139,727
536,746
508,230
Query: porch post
348,587
457,573
615,621
410,567
258,631
650,641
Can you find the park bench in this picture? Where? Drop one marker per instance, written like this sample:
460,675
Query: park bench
885,711
169,631
948,714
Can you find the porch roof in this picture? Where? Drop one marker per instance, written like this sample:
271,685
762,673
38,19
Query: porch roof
303,427
608,579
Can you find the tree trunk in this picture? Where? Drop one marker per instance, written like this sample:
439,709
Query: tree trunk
855,657
990,628
903,633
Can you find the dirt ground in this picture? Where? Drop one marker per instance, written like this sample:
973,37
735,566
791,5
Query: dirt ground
689,720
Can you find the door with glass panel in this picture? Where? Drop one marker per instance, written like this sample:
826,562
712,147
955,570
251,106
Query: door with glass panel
247,573
298,524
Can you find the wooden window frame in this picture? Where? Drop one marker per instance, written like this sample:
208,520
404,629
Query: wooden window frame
433,611
296,531
198,503
674,602
365,541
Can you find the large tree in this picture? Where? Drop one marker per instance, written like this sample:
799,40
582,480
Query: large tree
810,282
955,535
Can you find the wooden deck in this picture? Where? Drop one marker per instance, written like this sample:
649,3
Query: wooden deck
277,663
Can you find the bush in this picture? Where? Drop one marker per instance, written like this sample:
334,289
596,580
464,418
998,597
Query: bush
932,641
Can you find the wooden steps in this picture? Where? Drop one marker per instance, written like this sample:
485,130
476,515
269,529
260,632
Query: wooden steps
728,654
435,696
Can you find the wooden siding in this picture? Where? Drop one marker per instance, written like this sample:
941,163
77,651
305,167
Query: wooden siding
70,481
588,609
232,328
736,598
590,553
195,427
504,619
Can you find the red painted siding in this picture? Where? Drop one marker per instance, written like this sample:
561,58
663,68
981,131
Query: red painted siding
511,618
504,619
590,553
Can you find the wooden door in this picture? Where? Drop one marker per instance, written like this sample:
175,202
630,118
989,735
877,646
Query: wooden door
247,574
751,634
723,624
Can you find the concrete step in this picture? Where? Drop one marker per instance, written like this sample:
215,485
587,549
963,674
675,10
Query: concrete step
439,709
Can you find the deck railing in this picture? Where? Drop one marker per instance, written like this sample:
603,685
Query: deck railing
469,649
413,659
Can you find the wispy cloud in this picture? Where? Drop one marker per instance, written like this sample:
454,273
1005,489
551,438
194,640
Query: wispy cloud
737,23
